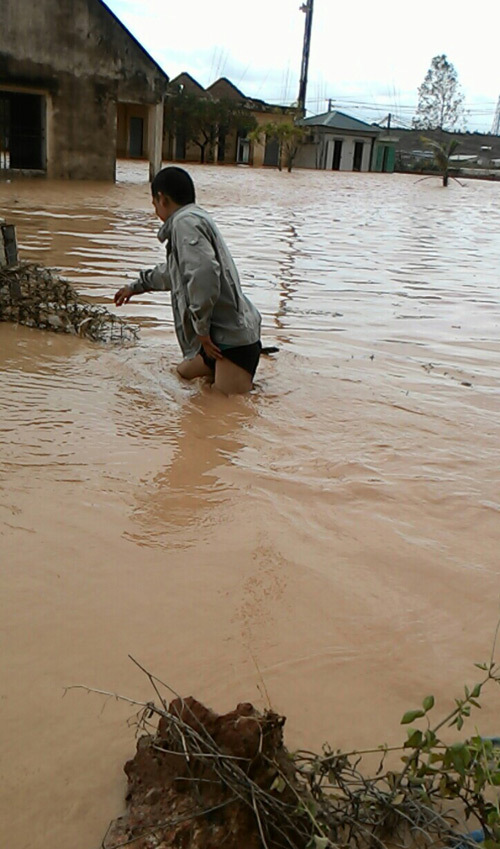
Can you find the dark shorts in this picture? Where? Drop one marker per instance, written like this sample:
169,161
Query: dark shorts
244,356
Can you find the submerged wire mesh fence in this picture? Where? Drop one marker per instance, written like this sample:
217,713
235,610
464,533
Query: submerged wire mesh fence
37,297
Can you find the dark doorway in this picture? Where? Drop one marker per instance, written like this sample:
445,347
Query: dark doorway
136,136
385,157
4,131
337,155
358,156
221,147
22,137
180,145
272,152
242,148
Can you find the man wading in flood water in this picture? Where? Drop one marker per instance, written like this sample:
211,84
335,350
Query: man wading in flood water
217,327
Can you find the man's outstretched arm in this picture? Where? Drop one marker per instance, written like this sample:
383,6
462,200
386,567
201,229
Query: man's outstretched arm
154,279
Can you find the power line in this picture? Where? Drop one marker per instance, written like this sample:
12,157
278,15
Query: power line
483,104
477,111
479,107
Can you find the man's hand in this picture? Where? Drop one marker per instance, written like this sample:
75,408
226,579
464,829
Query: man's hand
123,295
211,350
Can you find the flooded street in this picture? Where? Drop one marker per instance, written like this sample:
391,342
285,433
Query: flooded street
329,542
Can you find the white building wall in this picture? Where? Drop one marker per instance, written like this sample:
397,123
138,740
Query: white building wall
320,155
347,157
348,148
367,154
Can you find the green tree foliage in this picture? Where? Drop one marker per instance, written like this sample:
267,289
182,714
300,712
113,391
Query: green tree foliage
445,786
442,155
440,100
200,120
289,137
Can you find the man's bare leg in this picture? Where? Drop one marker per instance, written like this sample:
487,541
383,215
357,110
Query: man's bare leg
196,367
231,379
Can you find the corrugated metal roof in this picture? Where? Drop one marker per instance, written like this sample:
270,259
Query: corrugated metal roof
339,121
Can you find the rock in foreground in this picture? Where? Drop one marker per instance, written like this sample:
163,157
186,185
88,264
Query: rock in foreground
201,780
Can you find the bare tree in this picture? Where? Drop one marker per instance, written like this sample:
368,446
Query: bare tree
440,100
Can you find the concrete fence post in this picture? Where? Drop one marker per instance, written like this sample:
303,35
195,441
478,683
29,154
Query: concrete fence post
155,136
8,245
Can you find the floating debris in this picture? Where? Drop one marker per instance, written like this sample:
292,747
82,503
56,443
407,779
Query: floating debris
36,297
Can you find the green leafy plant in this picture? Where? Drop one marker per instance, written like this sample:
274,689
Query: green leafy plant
442,790
202,120
289,137
442,154
467,771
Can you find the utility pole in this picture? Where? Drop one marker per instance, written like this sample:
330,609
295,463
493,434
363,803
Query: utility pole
306,7
495,128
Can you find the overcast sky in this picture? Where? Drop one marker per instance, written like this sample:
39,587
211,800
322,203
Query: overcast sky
363,52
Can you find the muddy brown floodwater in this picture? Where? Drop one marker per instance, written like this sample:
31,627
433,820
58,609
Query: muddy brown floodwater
331,540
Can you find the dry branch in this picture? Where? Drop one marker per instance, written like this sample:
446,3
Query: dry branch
201,780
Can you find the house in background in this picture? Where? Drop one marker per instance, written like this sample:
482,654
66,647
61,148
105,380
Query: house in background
337,142
176,147
185,82
232,146
76,88
239,147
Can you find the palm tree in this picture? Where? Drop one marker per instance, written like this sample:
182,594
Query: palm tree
442,155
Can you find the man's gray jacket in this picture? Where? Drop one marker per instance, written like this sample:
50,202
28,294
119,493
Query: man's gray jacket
205,287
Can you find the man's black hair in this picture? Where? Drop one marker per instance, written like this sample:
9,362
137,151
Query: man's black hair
176,183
